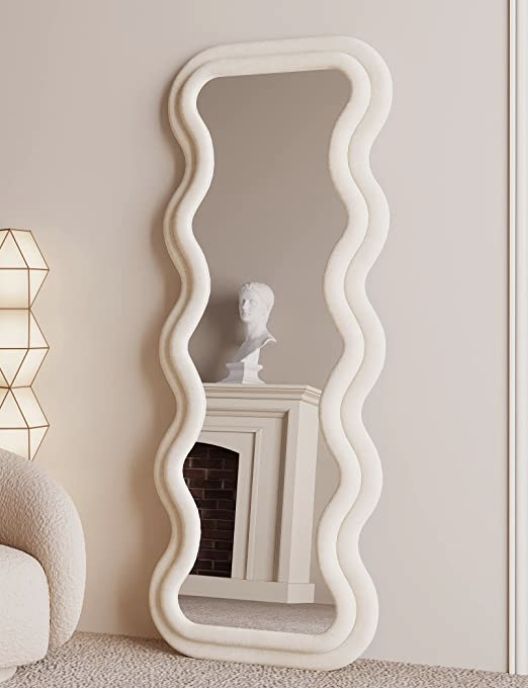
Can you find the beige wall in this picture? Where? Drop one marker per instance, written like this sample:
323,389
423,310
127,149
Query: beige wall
88,164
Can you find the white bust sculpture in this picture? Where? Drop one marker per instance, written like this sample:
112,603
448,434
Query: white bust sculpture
255,301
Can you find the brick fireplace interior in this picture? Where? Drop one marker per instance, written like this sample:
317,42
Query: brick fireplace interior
211,474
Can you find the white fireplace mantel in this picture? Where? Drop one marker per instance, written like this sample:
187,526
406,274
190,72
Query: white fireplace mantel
274,429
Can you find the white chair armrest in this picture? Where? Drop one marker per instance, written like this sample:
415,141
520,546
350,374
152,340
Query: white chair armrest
38,517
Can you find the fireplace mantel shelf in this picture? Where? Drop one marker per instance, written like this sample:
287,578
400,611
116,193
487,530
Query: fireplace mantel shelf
264,391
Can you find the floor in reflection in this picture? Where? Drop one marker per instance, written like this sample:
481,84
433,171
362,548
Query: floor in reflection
303,618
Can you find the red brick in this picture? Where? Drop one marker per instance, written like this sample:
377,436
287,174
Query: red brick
211,475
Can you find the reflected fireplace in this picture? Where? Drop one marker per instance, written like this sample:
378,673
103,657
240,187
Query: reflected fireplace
252,475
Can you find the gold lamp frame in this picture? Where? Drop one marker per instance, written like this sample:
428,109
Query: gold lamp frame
23,347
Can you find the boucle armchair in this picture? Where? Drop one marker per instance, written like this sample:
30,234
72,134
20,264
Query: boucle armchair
42,564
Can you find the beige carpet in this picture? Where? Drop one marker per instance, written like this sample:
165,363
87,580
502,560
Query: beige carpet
94,660
302,619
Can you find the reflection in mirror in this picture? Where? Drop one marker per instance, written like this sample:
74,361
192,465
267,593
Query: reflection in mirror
261,473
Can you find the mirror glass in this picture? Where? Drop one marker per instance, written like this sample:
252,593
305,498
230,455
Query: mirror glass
261,473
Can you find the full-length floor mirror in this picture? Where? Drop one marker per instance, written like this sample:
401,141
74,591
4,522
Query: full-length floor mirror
267,472
272,216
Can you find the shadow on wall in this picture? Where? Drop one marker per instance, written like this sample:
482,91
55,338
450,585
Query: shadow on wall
225,333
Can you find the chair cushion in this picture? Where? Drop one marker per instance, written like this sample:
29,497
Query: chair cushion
24,608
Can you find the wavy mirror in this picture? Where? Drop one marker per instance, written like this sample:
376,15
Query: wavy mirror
267,472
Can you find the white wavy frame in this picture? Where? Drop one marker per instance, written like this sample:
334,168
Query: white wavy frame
348,385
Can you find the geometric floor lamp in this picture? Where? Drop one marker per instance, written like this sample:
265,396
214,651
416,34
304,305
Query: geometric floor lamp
22,344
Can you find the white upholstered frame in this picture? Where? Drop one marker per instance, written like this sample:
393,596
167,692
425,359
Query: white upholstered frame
348,384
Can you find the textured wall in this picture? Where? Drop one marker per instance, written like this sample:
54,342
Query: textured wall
88,163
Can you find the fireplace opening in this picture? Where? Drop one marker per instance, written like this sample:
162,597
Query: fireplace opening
211,473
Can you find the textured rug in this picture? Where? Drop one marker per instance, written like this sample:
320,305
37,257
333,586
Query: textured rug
96,660
303,618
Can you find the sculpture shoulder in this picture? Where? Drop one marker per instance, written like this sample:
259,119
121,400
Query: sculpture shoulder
266,339
249,347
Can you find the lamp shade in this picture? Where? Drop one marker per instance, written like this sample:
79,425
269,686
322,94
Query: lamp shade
22,344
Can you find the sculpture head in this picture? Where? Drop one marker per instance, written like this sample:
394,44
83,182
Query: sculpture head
255,301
